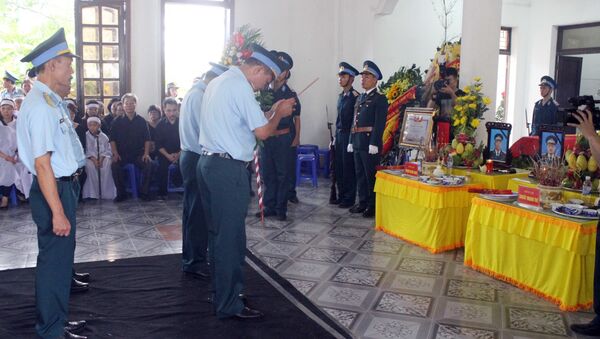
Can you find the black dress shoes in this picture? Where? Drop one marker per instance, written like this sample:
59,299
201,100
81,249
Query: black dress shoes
589,329
78,286
345,205
70,335
248,313
357,209
294,200
75,326
334,201
369,212
82,277
120,198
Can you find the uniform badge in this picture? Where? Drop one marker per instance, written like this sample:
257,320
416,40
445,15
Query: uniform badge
342,68
49,100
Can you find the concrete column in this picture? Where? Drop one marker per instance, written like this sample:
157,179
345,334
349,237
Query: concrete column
480,50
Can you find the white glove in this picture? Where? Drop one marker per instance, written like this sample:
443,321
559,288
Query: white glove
350,149
373,149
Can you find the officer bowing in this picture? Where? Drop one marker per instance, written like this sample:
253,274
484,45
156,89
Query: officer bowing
51,151
366,137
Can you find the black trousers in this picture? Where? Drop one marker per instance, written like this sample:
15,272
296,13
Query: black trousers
193,223
145,168
163,174
274,164
55,259
365,165
5,191
225,197
345,175
293,156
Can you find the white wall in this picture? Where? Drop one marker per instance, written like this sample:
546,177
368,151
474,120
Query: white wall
590,75
535,24
146,53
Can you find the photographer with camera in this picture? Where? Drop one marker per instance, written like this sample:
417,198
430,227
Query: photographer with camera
546,109
445,91
587,127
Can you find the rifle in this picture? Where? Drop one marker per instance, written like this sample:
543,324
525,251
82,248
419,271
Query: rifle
333,192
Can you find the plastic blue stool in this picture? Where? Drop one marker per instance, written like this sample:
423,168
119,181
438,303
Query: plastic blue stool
310,159
324,166
308,149
170,187
133,175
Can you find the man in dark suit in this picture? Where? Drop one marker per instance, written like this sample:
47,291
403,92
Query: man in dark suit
497,153
366,137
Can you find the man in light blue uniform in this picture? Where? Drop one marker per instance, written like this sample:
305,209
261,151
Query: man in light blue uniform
10,90
194,231
230,122
51,151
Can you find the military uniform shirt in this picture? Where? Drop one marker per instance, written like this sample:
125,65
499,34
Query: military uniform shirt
544,114
5,94
189,127
230,114
285,92
44,126
345,108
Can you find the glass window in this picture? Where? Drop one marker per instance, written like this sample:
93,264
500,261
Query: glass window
91,88
583,37
110,52
110,16
90,34
110,34
110,70
89,15
91,70
111,88
91,52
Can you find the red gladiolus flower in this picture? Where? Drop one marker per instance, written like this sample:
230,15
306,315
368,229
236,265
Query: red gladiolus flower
239,39
246,54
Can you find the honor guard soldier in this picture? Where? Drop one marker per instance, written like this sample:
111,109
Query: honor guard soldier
344,160
230,123
366,137
276,152
10,90
51,151
545,111
194,229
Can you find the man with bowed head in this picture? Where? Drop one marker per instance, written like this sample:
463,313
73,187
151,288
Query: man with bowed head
230,123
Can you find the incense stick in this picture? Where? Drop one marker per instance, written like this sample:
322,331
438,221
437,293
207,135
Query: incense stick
307,87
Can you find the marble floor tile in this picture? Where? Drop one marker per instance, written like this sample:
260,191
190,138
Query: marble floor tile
414,283
294,237
447,331
100,238
358,276
304,286
272,262
405,304
313,227
277,249
421,266
483,314
330,255
344,296
339,242
348,231
344,317
530,320
470,290
380,261
304,269
380,247
388,328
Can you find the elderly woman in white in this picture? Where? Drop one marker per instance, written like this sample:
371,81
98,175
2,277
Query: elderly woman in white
12,171
99,183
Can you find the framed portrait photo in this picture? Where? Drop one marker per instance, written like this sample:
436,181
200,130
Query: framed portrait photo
498,138
416,127
552,142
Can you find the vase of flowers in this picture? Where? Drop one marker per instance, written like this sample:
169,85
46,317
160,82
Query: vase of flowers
237,48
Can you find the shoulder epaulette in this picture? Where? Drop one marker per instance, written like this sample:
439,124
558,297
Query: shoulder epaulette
355,93
49,100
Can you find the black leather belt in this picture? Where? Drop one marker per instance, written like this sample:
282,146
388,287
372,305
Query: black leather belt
223,155
71,177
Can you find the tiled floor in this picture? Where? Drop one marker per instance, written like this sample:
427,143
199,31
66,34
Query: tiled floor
373,284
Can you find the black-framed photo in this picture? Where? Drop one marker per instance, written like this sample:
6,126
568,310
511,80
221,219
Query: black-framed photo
552,142
498,139
417,127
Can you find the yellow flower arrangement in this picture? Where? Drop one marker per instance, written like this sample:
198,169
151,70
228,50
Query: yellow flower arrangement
469,109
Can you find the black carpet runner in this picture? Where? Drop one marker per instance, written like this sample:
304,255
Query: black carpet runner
149,297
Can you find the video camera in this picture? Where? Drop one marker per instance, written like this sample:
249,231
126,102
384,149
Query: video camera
441,83
581,103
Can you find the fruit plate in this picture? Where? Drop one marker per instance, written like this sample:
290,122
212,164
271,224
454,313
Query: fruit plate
529,207
576,190
501,197
560,209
